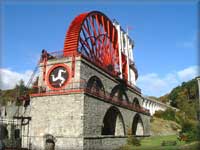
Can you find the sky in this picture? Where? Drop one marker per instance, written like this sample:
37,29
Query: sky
165,37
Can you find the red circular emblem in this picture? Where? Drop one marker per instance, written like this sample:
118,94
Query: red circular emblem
58,76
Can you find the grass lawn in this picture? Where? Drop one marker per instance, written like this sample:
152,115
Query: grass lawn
154,143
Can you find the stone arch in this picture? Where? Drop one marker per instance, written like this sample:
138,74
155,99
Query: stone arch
49,142
113,123
136,102
95,85
137,125
119,92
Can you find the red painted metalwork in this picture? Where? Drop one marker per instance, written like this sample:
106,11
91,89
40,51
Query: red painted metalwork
124,67
44,55
73,65
95,37
24,97
59,54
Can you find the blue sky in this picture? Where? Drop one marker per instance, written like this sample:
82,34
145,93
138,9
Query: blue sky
165,36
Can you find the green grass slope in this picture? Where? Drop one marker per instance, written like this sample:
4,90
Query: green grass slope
164,127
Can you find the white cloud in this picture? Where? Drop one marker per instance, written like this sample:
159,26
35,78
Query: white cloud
188,73
10,78
154,85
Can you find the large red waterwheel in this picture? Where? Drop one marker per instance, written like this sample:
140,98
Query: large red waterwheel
95,37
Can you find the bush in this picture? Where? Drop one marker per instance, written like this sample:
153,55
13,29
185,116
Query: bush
190,129
168,114
198,131
180,117
158,114
152,119
133,141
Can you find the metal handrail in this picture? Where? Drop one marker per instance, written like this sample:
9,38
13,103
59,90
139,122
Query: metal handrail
59,55
81,87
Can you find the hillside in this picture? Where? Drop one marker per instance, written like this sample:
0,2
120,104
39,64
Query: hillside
7,96
184,97
168,127
12,94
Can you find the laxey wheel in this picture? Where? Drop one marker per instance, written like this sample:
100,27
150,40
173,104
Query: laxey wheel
95,37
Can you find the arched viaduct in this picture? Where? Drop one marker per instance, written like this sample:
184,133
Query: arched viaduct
153,105
92,112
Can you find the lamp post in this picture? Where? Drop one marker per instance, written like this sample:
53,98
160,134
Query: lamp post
198,81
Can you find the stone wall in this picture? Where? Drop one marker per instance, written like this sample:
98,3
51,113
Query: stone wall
108,81
60,116
103,142
76,120
94,112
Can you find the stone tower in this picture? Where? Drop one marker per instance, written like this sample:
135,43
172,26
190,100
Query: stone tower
86,97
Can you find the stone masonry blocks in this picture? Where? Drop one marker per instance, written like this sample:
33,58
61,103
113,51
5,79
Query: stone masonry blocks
76,120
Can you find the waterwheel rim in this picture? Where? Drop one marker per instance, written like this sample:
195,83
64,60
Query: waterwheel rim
94,36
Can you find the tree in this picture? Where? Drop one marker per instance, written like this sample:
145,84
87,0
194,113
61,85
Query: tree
21,90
